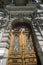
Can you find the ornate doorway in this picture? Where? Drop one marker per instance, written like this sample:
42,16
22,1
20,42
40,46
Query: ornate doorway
21,50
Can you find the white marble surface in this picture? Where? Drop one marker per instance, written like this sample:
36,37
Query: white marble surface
39,10
3,52
42,32
42,48
41,42
3,61
6,34
4,45
41,5
5,39
1,34
1,18
39,38
37,33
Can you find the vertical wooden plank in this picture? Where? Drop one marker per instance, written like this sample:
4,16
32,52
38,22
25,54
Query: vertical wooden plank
22,42
11,42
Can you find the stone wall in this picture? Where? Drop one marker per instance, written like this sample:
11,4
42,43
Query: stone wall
4,45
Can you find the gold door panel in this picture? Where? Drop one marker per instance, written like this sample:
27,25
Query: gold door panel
21,50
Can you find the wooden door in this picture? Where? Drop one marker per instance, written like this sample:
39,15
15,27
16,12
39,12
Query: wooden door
21,50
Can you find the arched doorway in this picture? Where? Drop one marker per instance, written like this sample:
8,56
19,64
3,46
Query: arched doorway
21,50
